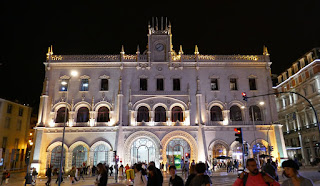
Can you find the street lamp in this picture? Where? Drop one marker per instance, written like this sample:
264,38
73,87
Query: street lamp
73,73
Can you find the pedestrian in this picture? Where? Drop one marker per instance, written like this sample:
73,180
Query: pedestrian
116,172
140,176
271,170
193,163
81,172
57,181
186,169
201,178
121,171
102,178
291,171
94,168
34,175
158,172
175,180
4,177
254,177
49,174
72,174
153,178
193,174
111,169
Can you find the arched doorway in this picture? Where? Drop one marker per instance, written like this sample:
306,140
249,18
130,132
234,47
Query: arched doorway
219,150
100,154
56,157
176,150
79,156
143,150
259,149
237,151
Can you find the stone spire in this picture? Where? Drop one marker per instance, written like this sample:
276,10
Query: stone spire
196,51
265,51
180,51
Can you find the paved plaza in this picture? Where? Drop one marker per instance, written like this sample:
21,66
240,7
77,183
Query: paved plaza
218,178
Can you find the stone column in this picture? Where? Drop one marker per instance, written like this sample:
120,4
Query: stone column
199,118
306,118
91,158
202,147
313,153
287,124
302,149
119,143
226,116
36,159
43,107
280,141
298,121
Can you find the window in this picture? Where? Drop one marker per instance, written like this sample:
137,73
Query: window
255,110
64,85
7,123
252,84
4,142
233,84
160,114
19,124
83,114
61,115
103,114
84,85
104,85
214,84
176,84
216,113
177,114
160,84
20,111
143,114
9,109
143,84
235,113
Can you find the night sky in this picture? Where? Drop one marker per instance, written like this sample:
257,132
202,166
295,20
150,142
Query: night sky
288,28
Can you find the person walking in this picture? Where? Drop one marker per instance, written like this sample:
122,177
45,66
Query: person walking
34,175
94,168
4,177
140,176
271,170
153,178
49,175
102,179
193,174
58,176
81,172
158,172
291,171
111,169
201,178
174,180
254,177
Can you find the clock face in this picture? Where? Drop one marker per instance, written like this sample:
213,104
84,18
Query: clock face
159,47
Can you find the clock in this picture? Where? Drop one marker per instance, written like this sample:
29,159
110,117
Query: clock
159,47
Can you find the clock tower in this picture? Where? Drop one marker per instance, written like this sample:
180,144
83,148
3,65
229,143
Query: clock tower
159,41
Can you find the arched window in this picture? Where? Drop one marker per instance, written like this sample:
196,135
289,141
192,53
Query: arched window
235,113
100,154
143,114
103,114
160,114
83,114
256,113
177,114
56,157
61,115
216,113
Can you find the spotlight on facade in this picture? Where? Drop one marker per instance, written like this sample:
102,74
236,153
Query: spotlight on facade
261,103
74,73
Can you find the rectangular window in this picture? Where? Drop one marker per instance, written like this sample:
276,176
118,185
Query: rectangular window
84,85
9,109
64,85
104,84
7,123
214,84
19,124
233,84
143,84
176,84
4,142
252,84
160,84
20,111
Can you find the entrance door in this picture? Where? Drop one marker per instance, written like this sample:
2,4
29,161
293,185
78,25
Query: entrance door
142,150
176,151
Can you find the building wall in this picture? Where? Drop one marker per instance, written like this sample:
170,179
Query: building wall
14,159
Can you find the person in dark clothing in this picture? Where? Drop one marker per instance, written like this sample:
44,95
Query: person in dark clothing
175,180
158,171
102,179
271,170
111,169
93,170
81,172
153,177
201,178
49,174
193,174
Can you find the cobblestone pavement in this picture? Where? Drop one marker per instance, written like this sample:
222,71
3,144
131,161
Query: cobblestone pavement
218,178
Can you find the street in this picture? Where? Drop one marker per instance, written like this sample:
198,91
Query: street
218,178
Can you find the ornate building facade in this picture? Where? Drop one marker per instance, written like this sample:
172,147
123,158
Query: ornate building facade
301,132
157,105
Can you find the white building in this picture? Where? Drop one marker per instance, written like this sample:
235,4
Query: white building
301,132
155,105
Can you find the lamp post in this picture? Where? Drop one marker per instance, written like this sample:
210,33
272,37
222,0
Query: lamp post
73,73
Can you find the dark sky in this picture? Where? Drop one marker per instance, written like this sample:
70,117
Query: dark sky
288,28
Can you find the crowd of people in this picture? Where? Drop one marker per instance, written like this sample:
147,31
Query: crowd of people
194,174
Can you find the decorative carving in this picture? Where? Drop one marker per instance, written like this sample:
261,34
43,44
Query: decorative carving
84,77
104,77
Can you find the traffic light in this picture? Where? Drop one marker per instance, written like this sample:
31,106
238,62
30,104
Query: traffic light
238,134
270,148
244,95
187,155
